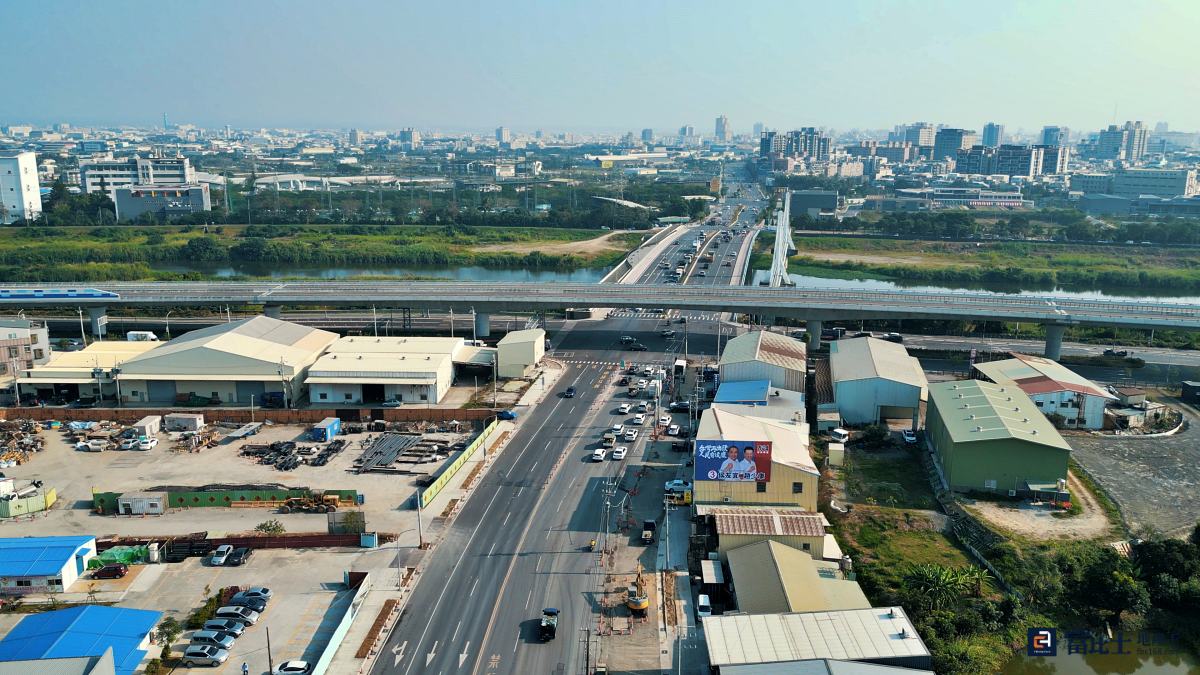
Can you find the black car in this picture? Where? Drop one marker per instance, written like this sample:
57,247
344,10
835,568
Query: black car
637,347
569,393
679,406
624,382
249,603
239,556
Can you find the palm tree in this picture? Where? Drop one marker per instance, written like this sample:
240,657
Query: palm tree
975,578
933,586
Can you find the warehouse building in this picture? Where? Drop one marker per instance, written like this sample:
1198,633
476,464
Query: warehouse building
993,438
43,564
876,380
879,635
377,369
1054,388
763,399
520,351
84,374
769,577
762,355
783,474
227,363
85,639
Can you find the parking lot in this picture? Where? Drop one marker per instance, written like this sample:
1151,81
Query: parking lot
75,474
1156,481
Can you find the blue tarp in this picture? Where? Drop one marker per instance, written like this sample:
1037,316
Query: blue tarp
39,556
86,630
80,426
751,392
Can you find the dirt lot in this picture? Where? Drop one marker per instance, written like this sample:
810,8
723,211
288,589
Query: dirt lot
1156,481
601,244
76,474
1036,521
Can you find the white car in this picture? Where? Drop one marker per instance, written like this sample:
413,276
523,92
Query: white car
129,444
641,384
624,408
259,592
618,429
147,444
639,419
909,435
293,668
673,430
619,452
599,454
631,435
677,485
665,420
220,555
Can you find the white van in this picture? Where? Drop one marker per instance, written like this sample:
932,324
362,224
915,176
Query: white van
839,435
703,606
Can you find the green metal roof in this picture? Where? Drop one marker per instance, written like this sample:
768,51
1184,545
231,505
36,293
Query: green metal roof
974,410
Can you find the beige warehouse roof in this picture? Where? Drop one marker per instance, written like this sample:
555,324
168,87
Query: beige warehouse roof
772,577
1039,375
761,345
79,364
866,358
974,410
768,522
853,635
360,344
360,366
789,440
518,336
260,343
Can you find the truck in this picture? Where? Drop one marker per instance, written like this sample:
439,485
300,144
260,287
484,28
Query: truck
649,527
609,440
312,503
326,429
141,336
549,624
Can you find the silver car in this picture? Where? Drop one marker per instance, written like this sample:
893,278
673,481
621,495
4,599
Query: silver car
204,655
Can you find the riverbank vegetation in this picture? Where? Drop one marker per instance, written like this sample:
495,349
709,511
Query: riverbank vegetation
138,253
1027,265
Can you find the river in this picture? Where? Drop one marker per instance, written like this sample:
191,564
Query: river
1130,294
1177,663
505,274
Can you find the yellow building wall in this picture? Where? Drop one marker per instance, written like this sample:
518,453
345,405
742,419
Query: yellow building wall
816,545
779,490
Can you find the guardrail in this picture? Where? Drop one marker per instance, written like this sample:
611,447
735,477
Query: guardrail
435,488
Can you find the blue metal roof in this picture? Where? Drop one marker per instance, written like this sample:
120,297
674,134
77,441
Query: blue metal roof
753,392
39,556
86,630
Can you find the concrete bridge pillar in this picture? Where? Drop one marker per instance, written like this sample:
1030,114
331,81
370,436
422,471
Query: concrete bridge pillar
814,335
273,311
1054,338
483,325
98,320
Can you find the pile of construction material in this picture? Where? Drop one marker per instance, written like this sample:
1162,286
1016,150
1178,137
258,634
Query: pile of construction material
383,452
18,440
289,455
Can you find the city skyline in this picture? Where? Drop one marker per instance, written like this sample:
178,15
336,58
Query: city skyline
309,65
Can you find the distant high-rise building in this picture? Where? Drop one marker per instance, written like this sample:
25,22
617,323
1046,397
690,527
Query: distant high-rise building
503,135
687,131
993,134
355,137
1135,144
20,191
1009,160
539,134
410,138
948,141
647,135
1161,128
1055,158
808,142
723,132
114,173
1126,142
896,152
758,129
1055,136
918,133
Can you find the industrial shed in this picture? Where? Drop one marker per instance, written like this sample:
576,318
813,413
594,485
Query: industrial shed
94,636
993,438
876,380
762,355
228,362
1054,388
43,564
83,373
365,369
739,526
770,577
519,351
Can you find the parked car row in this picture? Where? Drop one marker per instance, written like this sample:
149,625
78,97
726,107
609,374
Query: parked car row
226,555
211,644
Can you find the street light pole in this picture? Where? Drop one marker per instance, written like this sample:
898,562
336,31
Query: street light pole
168,320
82,334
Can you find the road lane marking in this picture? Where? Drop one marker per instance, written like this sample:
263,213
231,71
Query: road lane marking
455,636
492,549
506,517
472,590
529,597
432,653
463,656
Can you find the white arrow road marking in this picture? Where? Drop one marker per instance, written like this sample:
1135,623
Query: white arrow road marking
463,656
432,653
398,653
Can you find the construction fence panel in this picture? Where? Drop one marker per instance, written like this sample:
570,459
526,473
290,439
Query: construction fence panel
425,496
245,415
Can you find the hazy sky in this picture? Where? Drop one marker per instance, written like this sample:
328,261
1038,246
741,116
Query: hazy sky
604,65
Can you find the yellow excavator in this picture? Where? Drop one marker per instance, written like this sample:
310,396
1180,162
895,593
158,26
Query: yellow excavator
636,598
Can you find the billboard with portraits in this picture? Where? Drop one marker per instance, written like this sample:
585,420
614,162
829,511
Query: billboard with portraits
737,461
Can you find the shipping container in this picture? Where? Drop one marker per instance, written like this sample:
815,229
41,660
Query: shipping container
183,421
149,426
325,430
142,504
